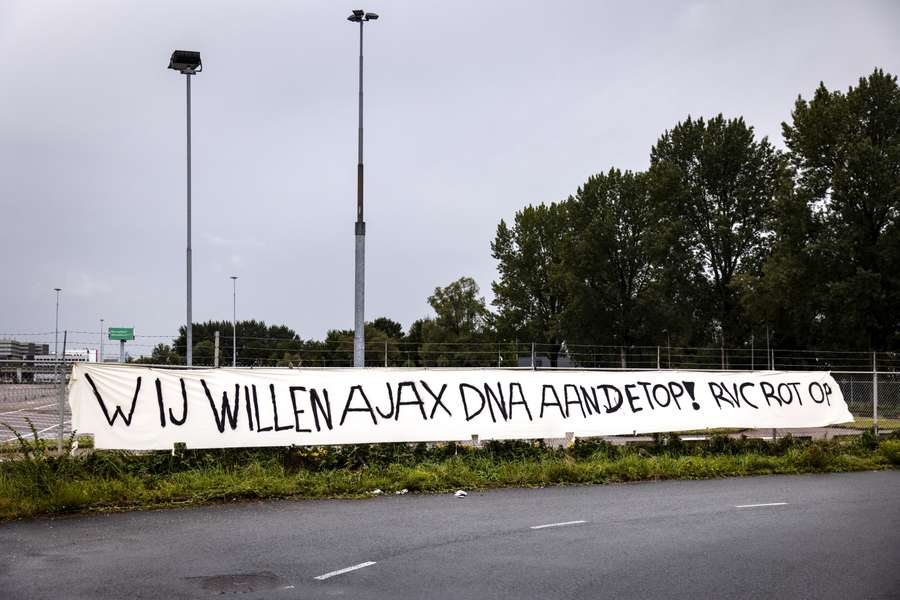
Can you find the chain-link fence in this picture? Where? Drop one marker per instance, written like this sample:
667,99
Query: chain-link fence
32,398
32,391
873,398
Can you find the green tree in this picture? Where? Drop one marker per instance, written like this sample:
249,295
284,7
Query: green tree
611,261
162,354
845,148
204,353
459,308
390,328
258,344
339,347
530,294
720,184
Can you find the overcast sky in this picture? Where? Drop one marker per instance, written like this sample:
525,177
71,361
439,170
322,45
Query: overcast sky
473,110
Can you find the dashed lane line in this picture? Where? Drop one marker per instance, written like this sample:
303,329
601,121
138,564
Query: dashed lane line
344,570
759,505
557,524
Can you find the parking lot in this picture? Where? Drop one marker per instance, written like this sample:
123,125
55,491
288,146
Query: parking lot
34,402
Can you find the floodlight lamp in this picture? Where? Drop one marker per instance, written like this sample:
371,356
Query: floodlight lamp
371,16
186,61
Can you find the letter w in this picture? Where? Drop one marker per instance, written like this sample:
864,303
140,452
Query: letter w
118,412
226,411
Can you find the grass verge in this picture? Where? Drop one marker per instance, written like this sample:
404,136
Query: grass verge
42,484
868,422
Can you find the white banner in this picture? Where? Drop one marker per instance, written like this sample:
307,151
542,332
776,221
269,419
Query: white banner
144,408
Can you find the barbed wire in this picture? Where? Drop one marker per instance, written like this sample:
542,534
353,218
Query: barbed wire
267,349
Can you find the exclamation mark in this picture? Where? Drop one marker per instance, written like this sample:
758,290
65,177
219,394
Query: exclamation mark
689,386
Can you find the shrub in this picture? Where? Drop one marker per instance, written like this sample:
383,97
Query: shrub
891,451
585,448
783,444
720,443
867,439
516,449
816,456
674,444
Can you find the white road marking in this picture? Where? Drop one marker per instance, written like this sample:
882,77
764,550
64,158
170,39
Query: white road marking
557,524
764,504
345,570
29,434
12,412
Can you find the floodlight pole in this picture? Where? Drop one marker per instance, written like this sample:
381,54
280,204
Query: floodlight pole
188,63
234,321
359,334
189,356
359,337
56,328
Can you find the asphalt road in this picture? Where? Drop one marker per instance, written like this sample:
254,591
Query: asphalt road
823,536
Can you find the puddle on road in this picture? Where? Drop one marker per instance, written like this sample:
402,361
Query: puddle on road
240,583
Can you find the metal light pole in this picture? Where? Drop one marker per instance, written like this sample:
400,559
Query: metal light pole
359,337
234,321
668,348
188,63
101,342
56,328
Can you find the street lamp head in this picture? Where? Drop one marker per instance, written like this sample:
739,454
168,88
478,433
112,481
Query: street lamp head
234,276
359,16
57,290
186,61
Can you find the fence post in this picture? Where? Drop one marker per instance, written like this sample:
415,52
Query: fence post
657,358
499,357
533,366
875,393
62,396
216,352
385,353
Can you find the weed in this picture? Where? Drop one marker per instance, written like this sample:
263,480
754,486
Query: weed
40,483
891,451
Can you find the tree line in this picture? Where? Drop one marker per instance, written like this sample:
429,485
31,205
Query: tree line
723,236
723,239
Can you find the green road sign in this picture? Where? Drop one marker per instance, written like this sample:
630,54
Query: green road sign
121,333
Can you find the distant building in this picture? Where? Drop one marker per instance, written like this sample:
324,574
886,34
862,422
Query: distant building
45,364
16,350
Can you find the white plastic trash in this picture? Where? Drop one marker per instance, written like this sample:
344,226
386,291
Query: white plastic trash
461,494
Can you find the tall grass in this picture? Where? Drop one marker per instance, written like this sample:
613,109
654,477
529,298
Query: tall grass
40,483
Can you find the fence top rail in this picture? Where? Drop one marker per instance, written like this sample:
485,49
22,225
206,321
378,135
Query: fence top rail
134,365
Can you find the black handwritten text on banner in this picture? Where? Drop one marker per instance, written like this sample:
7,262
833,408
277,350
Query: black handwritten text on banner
149,408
